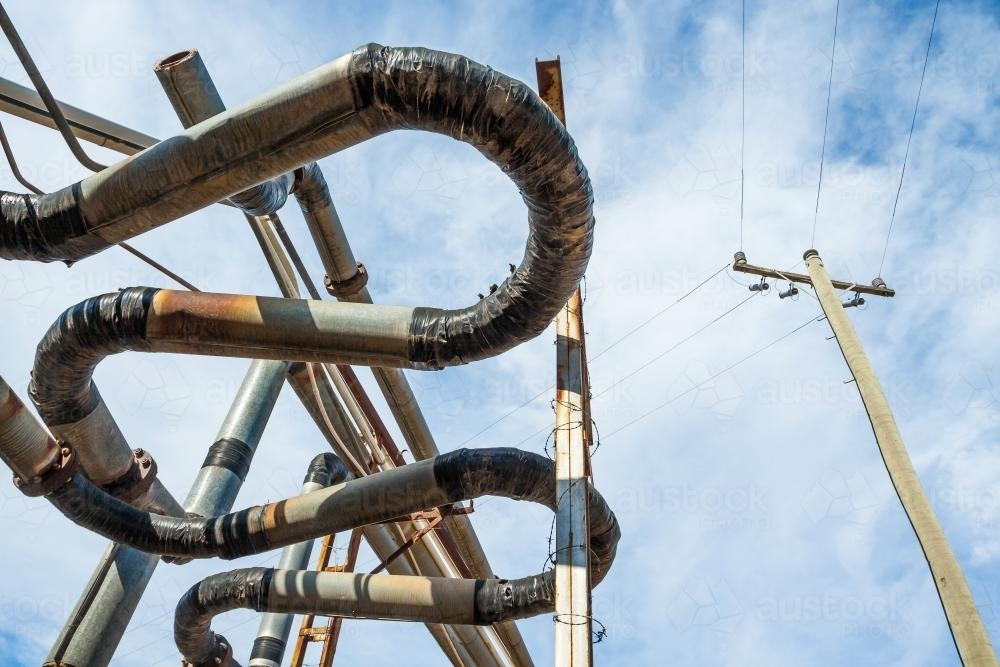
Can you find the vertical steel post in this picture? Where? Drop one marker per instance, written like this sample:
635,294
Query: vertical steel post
971,639
573,618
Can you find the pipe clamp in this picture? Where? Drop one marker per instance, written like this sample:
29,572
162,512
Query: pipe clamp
54,478
342,289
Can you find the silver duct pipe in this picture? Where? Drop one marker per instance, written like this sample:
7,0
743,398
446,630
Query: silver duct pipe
96,625
228,459
194,98
460,650
400,598
272,635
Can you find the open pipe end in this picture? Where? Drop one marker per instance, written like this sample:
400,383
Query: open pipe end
175,59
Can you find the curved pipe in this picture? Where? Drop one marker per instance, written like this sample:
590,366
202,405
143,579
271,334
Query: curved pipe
269,645
373,90
449,478
380,596
194,97
464,474
155,320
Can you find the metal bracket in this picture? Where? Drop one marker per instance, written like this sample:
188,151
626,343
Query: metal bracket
436,513
136,480
341,289
54,478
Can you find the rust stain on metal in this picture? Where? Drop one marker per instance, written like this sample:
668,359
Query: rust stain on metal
550,87
12,404
270,518
186,315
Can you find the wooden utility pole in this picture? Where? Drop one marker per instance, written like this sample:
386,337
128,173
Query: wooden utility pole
964,620
572,555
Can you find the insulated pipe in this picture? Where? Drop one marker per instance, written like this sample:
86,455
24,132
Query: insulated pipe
194,98
423,599
272,635
155,320
453,477
358,96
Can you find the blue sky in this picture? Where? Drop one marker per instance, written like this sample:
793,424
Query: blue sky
759,524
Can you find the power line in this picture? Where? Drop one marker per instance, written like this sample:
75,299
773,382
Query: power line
913,123
826,123
661,312
675,345
550,388
712,377
156,265
645,365
743,114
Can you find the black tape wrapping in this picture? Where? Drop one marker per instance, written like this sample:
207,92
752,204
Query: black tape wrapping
42,227
61,386
232,454
326,469
421,89
460,475
228,536
264,198
247,588
501,600
267,648
512,473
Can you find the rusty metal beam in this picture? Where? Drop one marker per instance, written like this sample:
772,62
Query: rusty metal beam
572,433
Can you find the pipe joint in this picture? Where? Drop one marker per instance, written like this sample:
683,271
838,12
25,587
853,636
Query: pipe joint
221,656
135,481
53,479
344,289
